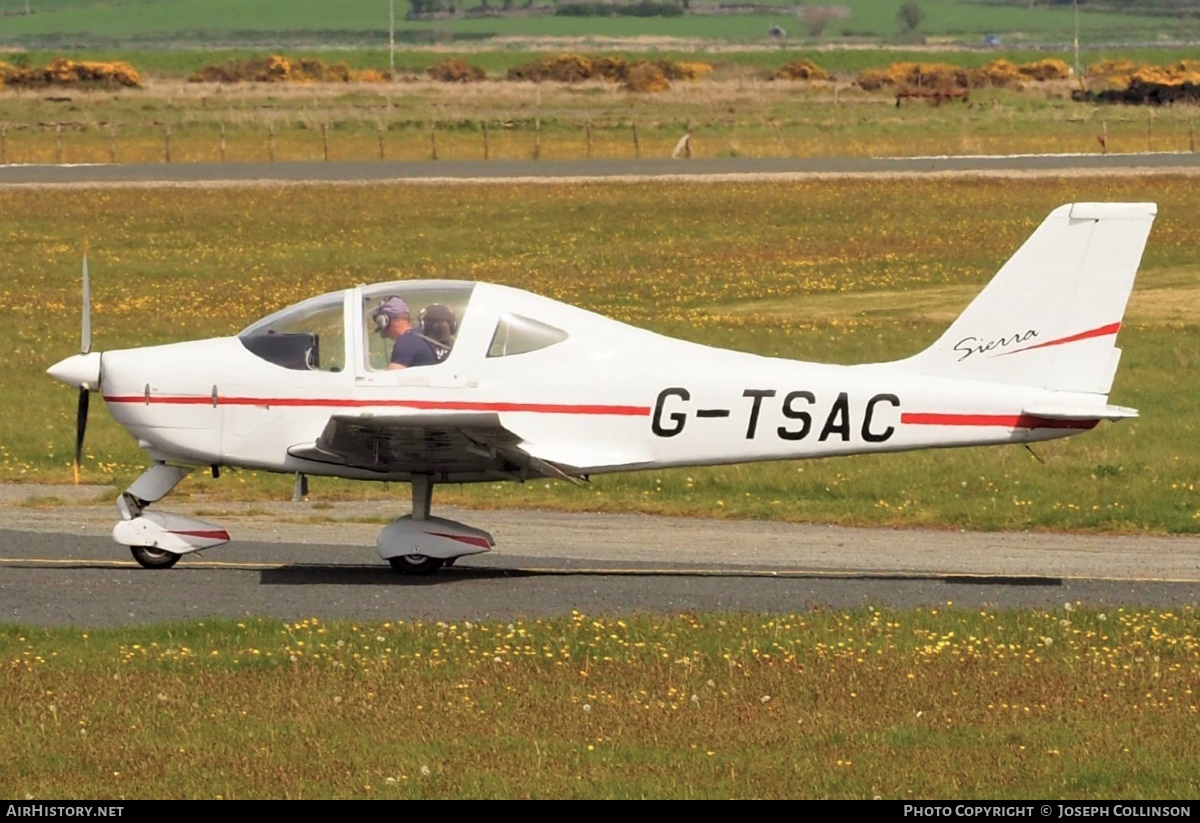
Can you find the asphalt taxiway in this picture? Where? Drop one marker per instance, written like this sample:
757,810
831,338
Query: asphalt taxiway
475,171
58,566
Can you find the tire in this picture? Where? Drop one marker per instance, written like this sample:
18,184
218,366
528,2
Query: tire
151,558
415,564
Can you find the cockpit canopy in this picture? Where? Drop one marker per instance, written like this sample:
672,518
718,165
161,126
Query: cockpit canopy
312,335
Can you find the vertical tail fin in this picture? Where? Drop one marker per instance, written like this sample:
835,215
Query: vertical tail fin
1050,316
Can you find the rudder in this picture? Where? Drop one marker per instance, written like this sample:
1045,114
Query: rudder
1050,316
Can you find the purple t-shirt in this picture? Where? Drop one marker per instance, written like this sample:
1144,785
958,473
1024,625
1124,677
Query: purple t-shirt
413,350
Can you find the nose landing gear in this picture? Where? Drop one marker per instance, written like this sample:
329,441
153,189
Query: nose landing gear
158,539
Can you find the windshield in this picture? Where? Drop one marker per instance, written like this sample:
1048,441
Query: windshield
307,336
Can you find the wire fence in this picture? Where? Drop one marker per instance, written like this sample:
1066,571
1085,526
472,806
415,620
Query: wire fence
354,140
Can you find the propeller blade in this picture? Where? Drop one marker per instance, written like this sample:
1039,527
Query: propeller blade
86,344
80,429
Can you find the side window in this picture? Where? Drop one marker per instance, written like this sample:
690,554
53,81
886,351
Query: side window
412,324
520,335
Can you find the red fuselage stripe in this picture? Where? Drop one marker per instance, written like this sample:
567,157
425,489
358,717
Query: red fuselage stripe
470,541
423,405
1111,328
218,534
1008,421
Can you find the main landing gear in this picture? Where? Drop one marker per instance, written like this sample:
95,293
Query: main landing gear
420,544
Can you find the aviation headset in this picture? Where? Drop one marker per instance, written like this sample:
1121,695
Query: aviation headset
436,311
387,311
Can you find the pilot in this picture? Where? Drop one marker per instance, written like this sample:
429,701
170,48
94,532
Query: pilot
394,322
439,326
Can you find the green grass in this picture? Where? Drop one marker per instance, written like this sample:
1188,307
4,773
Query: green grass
1072,703
830,271
199,23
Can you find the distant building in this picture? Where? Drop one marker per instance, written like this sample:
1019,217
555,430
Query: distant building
991,40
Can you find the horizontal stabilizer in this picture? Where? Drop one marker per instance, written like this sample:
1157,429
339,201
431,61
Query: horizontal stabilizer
1062,411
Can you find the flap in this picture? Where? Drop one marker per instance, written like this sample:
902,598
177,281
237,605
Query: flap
582,457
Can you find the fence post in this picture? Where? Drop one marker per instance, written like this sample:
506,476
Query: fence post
381,143
166,144
779,136
637,147
271,142
587,132
433,141
1149,129
1104,136
325,142
1191,137
537,138
4,144
486,148
222,142
112,142
684,147
58,143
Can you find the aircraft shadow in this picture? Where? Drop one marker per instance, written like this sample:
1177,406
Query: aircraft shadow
341,575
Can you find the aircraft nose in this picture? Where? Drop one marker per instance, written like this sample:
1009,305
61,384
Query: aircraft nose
82,371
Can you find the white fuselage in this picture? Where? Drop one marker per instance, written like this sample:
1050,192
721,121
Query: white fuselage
642,401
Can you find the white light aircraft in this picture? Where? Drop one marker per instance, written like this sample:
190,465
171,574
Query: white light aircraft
529,387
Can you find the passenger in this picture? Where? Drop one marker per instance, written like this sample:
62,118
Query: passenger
393,321
439,326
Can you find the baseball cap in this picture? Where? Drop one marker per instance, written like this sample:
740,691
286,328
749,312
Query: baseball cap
392,307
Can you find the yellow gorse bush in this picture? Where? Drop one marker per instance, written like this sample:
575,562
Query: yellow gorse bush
1000,73
642,75
280,69
64,72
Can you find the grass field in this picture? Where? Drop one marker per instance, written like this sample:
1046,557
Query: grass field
836,271
175,23
939,703
735,111
739,115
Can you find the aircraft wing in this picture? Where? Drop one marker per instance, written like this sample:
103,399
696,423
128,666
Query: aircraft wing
453,447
